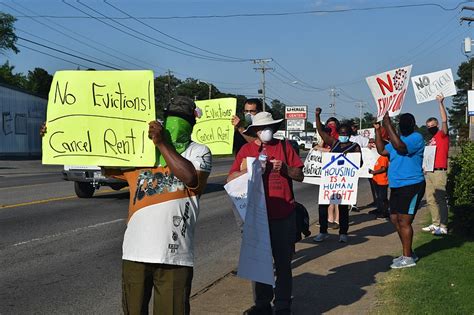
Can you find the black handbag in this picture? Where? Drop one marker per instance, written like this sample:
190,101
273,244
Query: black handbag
302,215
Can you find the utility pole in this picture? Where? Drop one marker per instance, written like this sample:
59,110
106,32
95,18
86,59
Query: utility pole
333,93
360,105
208,84
262,63
169,86
470,118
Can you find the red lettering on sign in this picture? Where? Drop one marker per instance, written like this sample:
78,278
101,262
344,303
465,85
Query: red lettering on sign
388,85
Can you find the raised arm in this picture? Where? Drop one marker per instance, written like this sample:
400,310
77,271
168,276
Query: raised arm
395,140
326,138
379,143
181,168
443,114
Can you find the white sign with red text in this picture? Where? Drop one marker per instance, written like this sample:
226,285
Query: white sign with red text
295,112
389,90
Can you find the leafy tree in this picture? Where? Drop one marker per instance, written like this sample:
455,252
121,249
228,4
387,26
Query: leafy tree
8,77
165,89
277,109
457,112
39,81
7,33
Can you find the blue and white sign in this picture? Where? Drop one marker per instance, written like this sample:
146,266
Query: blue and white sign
339,178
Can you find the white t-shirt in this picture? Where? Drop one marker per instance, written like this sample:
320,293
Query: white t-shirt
163,212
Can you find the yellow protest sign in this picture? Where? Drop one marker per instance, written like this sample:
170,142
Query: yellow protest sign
214,128
100,118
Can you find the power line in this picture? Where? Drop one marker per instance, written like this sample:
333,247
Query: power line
175,49
76,51
274,14
298,79
69,54
76,39
172,37
44,53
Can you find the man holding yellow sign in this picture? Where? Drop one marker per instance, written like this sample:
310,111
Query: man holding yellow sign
158,246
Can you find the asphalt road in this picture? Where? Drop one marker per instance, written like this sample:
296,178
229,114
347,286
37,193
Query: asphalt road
60,254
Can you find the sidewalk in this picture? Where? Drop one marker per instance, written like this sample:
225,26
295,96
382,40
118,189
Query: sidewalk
328,277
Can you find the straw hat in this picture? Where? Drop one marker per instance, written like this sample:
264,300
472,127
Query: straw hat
263,119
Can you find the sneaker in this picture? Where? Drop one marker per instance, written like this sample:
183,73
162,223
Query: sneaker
255,310
333,225
321,237
429,228
440,231
382,216
403,262
375,211
413,255
343,238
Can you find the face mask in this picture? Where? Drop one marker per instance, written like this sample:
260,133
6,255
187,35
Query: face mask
248,118
344,139
179,132
266,135
433,130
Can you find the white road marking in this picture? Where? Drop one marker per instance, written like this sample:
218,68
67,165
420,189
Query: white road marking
39,239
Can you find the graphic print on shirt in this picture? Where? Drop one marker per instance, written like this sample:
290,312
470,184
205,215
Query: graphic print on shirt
177,220
149,184
206,163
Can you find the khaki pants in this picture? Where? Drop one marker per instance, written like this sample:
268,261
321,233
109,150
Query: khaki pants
171,284
436,197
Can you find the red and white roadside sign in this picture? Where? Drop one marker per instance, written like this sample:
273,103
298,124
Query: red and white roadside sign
295,112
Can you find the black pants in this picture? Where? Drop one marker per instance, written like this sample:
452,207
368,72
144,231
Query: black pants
282,238
382,199
343,219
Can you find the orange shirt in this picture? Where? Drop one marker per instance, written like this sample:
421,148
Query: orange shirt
381,179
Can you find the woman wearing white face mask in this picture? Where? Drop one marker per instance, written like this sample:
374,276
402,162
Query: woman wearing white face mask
280,168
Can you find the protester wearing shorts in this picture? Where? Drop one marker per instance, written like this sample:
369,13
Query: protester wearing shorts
405,178
280,169
340,145
436,180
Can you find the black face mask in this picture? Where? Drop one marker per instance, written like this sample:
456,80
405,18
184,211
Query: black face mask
433,130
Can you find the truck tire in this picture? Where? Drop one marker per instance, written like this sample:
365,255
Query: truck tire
84,189
117,186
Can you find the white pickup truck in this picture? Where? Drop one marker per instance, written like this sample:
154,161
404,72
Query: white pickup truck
87,179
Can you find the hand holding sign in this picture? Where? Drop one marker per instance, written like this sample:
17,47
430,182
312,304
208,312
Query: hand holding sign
155,132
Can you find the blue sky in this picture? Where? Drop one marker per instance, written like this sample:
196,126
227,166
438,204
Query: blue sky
322,50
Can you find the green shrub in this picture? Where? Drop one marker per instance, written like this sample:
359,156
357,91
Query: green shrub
460,189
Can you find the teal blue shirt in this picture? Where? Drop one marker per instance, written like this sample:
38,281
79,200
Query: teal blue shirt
406,169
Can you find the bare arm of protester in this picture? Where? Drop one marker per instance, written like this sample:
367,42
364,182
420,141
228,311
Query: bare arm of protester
295,173
395,140
43,129
381,170
379,144
180,167
442,112
326,138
